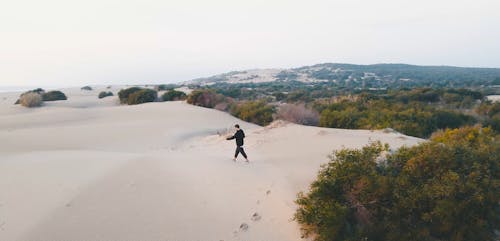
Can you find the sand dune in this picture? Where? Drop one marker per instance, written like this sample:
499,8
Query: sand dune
90,169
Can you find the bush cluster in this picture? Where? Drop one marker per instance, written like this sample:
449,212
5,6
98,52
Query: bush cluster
123,94
173,95
444,189
142,96
258,112
413,118
205,98
298,113
136,95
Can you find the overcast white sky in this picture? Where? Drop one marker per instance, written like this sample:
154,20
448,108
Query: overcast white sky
66,43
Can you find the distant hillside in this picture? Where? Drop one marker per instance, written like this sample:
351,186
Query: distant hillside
376,75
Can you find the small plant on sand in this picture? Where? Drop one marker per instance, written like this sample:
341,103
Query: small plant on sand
173,95
88,88
104,94
142,96
54,95
31,99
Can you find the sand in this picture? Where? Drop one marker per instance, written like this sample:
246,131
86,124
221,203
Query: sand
91,169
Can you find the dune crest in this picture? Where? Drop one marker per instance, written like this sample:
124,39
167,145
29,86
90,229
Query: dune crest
90,169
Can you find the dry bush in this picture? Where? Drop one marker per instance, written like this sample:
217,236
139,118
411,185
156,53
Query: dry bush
298,113
31,99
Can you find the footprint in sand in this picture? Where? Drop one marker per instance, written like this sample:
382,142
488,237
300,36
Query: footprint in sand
256,217
244,227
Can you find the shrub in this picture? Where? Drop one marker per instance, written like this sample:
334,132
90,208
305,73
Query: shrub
104,94
86,88
205,98
173,95
54,95
299,114
444,189
36,91
142,96
124,94
31,99
257,112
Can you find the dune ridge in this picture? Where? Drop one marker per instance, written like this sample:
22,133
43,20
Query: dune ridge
91,169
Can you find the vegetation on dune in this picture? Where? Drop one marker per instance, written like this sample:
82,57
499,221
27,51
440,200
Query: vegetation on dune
257,112
104,94
53,96
87,88
416,112
205,98
444,189
137,95
142,96
415,118
39,91
31,99
123,94
298,113
173,95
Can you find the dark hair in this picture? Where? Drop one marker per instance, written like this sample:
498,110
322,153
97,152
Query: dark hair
237,126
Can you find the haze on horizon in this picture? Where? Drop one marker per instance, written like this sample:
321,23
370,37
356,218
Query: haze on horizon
69,43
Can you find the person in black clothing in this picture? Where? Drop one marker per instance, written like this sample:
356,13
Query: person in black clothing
239,135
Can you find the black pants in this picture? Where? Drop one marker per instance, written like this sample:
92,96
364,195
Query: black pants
238,150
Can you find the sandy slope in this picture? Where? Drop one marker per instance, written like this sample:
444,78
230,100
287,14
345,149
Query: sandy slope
89,169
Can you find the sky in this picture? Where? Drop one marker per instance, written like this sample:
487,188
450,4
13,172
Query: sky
73,43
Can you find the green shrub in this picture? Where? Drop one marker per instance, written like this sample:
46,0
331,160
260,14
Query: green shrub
124,94
142,96
173,95
205,98
443,189
31,99
258,112
88,88
53,96
104,94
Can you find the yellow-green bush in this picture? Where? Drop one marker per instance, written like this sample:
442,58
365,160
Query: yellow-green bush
444,189
258,112
142,96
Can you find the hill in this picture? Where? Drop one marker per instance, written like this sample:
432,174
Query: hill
374,76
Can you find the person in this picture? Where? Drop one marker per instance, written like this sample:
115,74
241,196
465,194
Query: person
239,136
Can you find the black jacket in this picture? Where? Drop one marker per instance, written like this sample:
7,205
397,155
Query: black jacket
239,135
